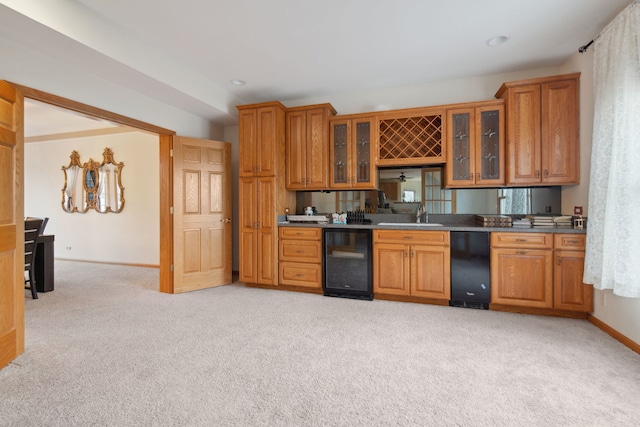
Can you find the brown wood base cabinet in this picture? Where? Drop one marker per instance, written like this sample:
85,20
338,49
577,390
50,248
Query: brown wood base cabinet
522,269
539,270
570,293
300,256
411,263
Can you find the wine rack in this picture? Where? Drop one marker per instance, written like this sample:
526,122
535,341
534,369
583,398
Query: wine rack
408,140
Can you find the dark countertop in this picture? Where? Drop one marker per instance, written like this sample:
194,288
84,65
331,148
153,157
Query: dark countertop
445,227
455,222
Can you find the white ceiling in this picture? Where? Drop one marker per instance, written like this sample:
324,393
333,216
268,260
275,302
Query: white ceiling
187,52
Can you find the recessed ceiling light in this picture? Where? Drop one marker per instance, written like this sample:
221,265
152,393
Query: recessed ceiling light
497,40
237,82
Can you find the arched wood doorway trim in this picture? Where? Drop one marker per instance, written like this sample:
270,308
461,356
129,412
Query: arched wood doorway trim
166,176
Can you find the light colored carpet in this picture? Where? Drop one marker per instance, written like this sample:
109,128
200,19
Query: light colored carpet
105,348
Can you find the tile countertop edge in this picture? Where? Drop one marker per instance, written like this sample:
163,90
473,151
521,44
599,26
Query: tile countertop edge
442,228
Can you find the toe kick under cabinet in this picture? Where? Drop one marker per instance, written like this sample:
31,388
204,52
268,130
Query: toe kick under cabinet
300,257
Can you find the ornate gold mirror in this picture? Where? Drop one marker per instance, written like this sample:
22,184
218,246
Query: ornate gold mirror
110,191
70,194
101,187
90,183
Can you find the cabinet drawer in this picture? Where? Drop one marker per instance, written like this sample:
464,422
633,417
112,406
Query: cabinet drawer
521,240
300,251
301,274
572,242
440,238
297,233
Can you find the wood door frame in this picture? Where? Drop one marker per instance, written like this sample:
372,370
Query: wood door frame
166,169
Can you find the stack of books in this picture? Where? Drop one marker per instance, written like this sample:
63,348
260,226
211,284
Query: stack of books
541,221
493,220
564,221
521,223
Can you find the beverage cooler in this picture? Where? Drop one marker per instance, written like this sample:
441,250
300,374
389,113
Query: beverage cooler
347,263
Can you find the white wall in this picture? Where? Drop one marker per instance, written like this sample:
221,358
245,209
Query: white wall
622,314
130,237
437,93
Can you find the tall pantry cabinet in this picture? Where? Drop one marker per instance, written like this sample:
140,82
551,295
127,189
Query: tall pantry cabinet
261,170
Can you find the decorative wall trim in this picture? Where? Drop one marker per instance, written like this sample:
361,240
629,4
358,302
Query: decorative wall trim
126,264
615,334
80,134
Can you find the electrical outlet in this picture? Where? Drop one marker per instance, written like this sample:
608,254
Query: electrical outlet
68,248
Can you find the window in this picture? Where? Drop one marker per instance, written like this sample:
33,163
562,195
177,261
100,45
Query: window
350,200
435,198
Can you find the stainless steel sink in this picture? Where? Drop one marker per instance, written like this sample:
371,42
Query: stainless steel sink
410,224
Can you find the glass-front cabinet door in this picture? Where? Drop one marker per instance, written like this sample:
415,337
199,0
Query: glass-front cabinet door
476,146
339,153
364,175
461,161
490,145
352,161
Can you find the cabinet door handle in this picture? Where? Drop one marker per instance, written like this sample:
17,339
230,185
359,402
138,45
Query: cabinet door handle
413,254
408,237
406,253
546,173
299,275
521,240
298,251
521,252
573,242
537,173
559,261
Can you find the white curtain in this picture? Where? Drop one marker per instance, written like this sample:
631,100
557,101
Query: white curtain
517,201
613,228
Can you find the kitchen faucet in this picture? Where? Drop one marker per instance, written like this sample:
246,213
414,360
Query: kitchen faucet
422,210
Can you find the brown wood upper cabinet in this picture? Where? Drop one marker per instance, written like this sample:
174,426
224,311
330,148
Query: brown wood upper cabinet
261,135
475,156
307,147
352,148
542,130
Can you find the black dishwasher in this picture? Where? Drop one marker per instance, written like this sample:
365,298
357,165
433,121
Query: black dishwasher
470,269
347,263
